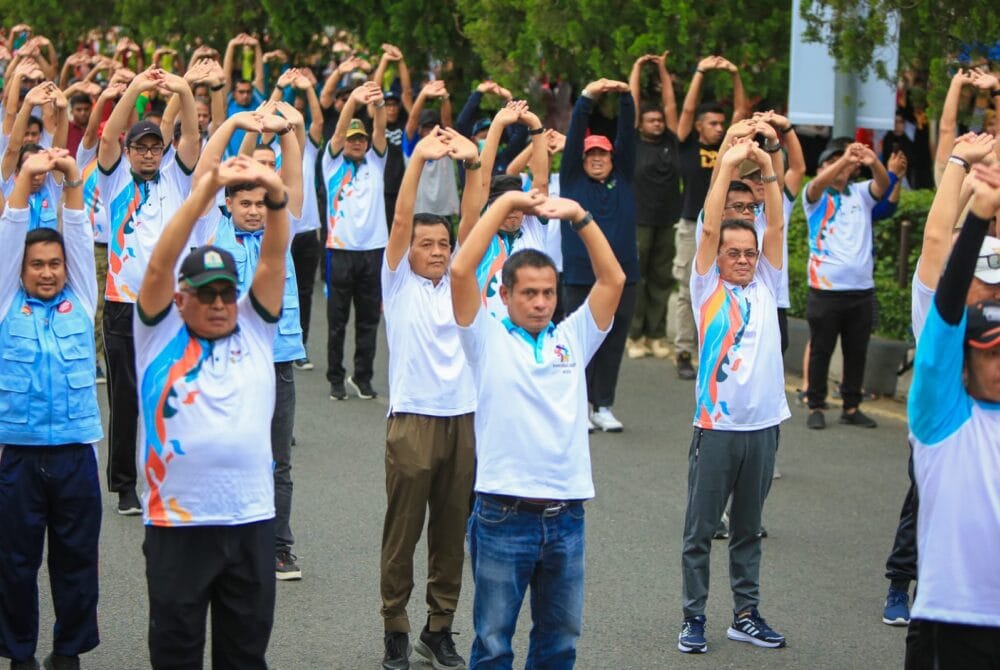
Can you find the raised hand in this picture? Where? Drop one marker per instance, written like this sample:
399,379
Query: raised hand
434,146
510,113
985,182
973,148
897,163
460,147
435,89
39,95
554,141
293,116
560,208
38,163
391,52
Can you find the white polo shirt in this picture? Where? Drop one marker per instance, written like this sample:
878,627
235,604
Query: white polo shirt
310,203
86,161
205,420
531,416
137,214
355,201
533,234
428,373
840,239
741,379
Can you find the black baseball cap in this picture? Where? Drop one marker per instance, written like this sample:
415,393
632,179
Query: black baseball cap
207,264
429,117
982,325
142,129
502,183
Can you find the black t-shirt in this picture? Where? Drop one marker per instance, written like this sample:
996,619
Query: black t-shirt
395,166
657,181
697,162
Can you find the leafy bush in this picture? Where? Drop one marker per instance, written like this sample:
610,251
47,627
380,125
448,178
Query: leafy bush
893,319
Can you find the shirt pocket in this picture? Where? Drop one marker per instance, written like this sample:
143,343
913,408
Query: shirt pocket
48,218
81,400
14,398
72,337
22,345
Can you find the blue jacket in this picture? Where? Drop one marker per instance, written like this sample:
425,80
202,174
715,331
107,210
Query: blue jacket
245,248
612,202
48,392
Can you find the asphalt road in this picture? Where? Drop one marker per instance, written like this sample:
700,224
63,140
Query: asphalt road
831,520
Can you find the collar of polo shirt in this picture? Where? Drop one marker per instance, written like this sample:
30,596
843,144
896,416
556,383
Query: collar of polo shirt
534,340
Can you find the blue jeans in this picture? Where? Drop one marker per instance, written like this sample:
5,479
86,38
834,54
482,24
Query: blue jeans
510,550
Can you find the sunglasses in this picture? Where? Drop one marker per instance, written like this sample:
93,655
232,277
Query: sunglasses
206,295
992,261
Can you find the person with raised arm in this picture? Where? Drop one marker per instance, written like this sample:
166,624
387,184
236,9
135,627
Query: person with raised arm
733,287
140,198
52,423
205,364
353,170
532,453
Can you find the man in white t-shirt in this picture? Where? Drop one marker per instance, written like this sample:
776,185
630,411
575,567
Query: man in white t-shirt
353,167
140,192
740,401
205,369
430,442
532,451
841,275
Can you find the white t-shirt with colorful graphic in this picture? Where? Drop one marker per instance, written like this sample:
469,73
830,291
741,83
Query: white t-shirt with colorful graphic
741,379
840,238
355,201
205,411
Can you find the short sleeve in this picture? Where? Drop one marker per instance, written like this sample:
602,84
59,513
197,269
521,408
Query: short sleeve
152,332
865,192
702,285
473,337
582,329
393,280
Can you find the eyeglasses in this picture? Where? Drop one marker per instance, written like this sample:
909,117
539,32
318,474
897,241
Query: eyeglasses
744,208
992,261
151,149
734,254
206,295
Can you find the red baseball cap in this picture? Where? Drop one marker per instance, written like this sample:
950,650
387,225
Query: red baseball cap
597,142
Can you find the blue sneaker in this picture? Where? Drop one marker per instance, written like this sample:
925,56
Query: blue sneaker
749,626
897,608
692,637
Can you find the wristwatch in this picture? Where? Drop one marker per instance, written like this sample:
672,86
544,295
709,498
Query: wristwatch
770,179
578,225
275,206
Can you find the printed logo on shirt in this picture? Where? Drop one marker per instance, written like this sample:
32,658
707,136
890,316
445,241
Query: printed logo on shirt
563,358
65,307
26,310
708,158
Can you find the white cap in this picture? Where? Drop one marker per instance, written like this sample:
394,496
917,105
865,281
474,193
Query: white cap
988,263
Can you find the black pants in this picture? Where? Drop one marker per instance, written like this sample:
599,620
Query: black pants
306,252
932,645
901,566
123,401
353,276
848,315
229,567
602,371
50,491
783,328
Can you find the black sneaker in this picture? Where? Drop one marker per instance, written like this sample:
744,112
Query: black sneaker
285,568
337,391
439,649
858,418
128,503
397,652
685,370
303,364
363,389
24,665
54,662
816,420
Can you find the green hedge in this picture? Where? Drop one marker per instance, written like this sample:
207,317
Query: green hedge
893,319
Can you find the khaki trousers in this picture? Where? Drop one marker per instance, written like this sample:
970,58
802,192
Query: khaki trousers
429,465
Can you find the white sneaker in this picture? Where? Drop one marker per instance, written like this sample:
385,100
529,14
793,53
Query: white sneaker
660,348
590,425
603,419
637,348
777,473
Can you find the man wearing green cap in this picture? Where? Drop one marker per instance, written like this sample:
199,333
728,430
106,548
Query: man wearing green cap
205,372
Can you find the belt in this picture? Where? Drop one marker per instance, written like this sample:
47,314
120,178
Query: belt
101,244
534,505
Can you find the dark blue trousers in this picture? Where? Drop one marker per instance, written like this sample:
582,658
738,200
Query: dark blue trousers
53,490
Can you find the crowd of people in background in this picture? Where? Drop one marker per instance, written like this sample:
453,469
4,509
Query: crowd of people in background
168,212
